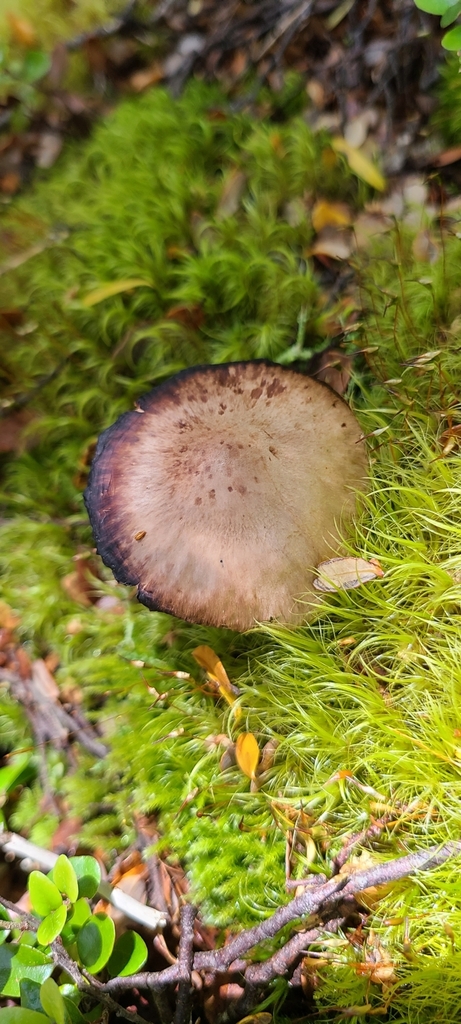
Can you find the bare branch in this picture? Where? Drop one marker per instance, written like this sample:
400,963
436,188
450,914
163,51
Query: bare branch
185,961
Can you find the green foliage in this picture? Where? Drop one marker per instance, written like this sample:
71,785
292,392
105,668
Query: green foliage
95,942
448,11
447,117
26,962
19,961
52,1001
128,956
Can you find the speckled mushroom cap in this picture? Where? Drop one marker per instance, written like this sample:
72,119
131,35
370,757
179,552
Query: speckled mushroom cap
223,489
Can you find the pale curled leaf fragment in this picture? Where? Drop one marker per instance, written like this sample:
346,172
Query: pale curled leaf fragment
233,189
106,291
424,358
346,573
359,163
333,242
247,753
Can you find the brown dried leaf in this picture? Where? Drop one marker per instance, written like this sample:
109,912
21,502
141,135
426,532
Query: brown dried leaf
448,156
334,369
247,754
8,620
141,80
346,573
15,435
424,247
190,316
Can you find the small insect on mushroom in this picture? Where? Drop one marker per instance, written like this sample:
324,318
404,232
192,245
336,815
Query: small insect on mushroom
242,476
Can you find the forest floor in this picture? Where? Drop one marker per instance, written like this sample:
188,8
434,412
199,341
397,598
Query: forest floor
200,183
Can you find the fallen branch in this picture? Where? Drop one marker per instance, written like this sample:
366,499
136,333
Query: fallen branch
322,901
329,903
185,961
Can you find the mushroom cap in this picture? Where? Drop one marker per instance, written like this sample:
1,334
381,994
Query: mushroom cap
219,494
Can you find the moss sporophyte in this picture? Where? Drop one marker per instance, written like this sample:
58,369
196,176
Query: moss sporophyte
362,706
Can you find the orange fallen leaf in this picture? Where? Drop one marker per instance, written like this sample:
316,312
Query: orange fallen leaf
247,754
449,156
325,214
214,668
21,29
8,620
346,573
141,80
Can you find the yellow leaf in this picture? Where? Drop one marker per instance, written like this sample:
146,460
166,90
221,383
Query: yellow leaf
257,1018
114,288
359,164
22,30
325,214
346,573
247,753
214,668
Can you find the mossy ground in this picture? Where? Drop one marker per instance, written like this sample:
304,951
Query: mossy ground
365,703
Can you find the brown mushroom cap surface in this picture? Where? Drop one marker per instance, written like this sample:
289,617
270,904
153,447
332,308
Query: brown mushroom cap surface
223,489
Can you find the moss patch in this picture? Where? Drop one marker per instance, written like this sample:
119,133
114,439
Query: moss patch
365,703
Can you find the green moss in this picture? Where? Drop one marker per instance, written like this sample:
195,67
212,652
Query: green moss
448,115
365,703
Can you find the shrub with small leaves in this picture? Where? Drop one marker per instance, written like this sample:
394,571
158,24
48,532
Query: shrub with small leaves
61,900
448,11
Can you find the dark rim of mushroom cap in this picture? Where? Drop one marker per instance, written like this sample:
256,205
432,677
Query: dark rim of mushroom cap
223,489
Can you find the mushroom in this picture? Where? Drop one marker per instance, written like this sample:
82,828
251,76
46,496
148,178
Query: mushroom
219,494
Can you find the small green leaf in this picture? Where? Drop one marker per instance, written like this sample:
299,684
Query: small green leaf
95,942
129,955
20,1015
79,913
44,894
36,64
435,6
74,1015
4,916
88,875
64,877
26,938
20,962
52,1001
18,770
450,15
30,995
452,39
52,925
